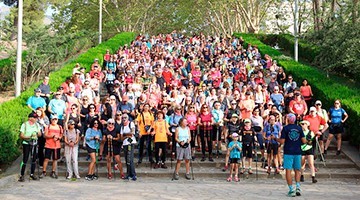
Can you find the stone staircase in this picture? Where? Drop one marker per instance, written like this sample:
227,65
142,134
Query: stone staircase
337,167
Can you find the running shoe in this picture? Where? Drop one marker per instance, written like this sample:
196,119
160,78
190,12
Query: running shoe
291,193
298,192
229,179
21,179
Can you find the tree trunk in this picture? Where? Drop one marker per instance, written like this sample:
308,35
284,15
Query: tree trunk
355,11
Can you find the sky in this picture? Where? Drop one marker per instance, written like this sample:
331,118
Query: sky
5,10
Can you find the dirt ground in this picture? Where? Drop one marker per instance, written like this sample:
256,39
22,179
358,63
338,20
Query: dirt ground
6,96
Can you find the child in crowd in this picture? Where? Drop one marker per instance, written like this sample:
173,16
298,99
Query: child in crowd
234,149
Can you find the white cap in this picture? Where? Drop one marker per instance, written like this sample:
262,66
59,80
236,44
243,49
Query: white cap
318,102
312,108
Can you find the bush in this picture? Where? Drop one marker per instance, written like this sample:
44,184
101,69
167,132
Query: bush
7,71
15,111
325,89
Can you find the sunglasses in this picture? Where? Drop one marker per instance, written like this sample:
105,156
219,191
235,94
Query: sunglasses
96,123
110,123
118,114
318,104
85,99
337,103
233,103
124,118
73,108
72,124
112,99
206,107
54,119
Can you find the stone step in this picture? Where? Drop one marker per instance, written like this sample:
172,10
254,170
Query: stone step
323,173
219,163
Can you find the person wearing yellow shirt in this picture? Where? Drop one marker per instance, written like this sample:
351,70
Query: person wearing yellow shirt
161,132
144,121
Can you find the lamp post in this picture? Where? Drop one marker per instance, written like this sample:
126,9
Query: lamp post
100,21
19,50
296,31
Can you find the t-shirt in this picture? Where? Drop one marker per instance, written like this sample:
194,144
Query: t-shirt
247,135
277,98
272,130
36,102
146,117
58,106
113,133
315,122
336,115
235,152
160,128
71,135
292,134
127,130
28,130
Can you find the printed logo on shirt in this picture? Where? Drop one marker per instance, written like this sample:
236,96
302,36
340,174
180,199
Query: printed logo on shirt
294,135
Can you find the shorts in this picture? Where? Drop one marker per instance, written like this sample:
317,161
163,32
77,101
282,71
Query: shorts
247,150
183,153
54,152
116,150
272,148
308,152
336,128
292,162
90,150
235,160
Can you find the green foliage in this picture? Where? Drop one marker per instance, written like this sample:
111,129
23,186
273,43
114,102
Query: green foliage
15,111
325,89
7,71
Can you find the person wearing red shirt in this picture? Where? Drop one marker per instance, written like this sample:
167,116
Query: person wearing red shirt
167,75
298,106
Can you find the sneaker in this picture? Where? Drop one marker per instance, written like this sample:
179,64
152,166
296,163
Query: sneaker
211,159
176,176
242,171
225,168
134,178
78,177
193,158
202,159
298,192
236,179
322,160
122,176
302,178
53,175
116,167
109,176
277,171
94,177
89,177
198,149
43,174
140,161
157,166
187,176
32,177
281,167
21,179
268,170
68,177
163,166
100,158
338,152
291,193
87,157
325,151
229,179
314,180
250,171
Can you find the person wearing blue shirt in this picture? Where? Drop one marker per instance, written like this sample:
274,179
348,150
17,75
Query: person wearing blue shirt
292,136
93,138
234,150
337,117
271,133
58,106
36,101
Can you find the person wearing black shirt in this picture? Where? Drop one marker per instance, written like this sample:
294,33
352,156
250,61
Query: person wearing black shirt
248,139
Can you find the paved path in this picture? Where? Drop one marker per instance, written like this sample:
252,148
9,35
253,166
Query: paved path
161,188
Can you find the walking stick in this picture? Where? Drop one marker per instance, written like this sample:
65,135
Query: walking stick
31,155
217,141
96,155
37,160
322,156
192,170
256,167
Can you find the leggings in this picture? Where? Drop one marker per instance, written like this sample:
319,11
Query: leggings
147,139
193,138
162,146
206,135
27,148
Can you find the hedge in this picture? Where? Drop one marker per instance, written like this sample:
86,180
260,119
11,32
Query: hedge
306,50
14,112
325,89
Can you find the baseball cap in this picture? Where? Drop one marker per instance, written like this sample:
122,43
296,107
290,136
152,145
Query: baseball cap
71,122
318,102
312,108
247,120
53,116
235,115
32,114
235,135
37,90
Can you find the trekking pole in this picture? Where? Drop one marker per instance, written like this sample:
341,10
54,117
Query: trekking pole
96,157
31,155
113,158
322,156
256,167
217,141
37,160
192,169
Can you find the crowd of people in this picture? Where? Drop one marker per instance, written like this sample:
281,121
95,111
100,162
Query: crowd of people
177,94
